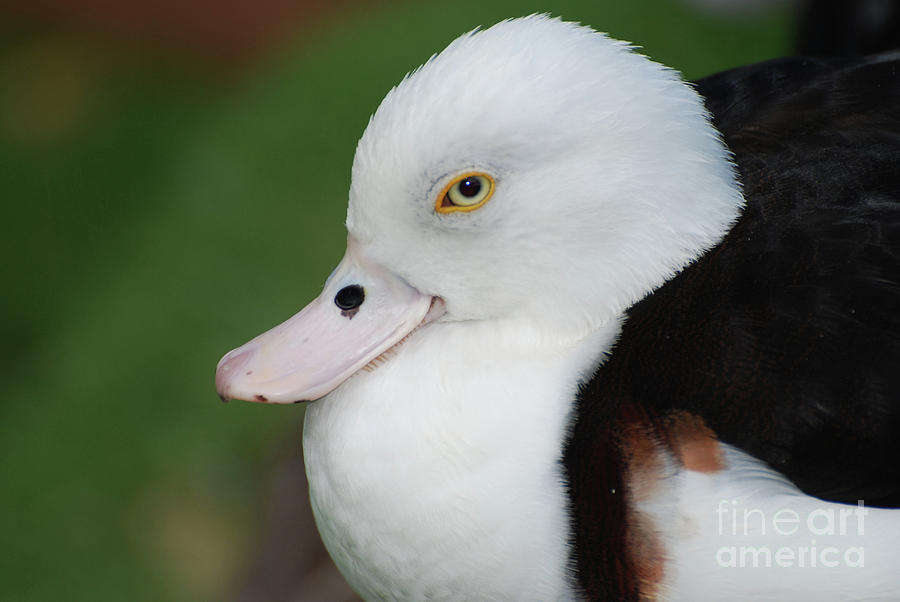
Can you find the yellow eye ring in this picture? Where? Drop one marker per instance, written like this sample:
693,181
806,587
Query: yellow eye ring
465,193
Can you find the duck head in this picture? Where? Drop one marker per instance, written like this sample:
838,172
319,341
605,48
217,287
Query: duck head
537,173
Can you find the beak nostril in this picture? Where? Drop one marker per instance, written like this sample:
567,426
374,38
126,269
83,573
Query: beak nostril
350,297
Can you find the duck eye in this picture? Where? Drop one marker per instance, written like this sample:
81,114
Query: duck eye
465,193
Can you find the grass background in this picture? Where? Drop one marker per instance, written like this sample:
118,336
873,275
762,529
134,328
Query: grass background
158,212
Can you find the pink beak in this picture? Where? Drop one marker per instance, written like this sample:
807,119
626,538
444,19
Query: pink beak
363,311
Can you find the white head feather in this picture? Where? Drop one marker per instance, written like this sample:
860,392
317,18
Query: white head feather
609,176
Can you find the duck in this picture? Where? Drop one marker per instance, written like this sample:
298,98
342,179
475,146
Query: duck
604,334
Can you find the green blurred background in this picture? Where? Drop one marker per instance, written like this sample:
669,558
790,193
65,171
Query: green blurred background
166,198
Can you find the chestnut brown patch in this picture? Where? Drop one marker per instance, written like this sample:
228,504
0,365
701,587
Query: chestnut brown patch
645,461
648,557
693,443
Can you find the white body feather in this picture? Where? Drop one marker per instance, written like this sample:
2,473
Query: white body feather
746,533
437,476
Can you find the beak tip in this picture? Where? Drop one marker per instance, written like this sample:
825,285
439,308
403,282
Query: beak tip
229,367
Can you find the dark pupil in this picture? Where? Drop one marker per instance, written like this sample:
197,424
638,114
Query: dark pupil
469,187
350,297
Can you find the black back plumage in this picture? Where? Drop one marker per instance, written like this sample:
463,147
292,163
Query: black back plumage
847,27
785,338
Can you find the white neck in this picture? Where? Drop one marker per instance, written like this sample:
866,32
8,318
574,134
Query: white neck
423,471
